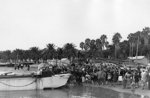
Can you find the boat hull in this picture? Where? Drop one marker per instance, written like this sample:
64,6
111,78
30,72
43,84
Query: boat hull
32,83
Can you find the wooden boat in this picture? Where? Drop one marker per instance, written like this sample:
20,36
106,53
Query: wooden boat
30,82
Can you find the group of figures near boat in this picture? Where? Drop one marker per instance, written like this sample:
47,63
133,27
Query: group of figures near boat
45,77
112,75
54,76
18,66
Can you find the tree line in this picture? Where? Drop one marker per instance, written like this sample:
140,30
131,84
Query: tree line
35,54
137,43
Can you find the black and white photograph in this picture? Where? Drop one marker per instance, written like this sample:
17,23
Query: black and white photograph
74,48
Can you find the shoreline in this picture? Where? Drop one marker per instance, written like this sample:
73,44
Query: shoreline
118,88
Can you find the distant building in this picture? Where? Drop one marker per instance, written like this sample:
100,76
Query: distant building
139,60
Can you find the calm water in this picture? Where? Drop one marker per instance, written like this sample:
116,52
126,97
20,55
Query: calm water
69,92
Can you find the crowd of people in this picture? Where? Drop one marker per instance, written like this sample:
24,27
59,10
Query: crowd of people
103,73
18,66
111,74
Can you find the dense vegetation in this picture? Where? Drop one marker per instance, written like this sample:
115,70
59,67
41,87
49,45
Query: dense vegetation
137,43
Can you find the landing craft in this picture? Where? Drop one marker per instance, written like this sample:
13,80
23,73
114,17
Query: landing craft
11,81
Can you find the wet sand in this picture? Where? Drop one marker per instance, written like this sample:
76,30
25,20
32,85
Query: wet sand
119,88
77,91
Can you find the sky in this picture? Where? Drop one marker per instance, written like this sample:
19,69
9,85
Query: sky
29,23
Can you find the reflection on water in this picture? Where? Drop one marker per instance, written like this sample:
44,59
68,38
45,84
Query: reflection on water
71,92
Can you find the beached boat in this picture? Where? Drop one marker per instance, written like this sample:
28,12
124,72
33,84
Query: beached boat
32,82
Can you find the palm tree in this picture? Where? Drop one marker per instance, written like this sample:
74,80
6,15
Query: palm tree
99,47
59,52
116,40
92,47
145,35
103,39
124,50
82,45
26,54
87,44
106,44
137,41
92,43
49,52
6,55
17,54
131,42
69,50
34,53
99,44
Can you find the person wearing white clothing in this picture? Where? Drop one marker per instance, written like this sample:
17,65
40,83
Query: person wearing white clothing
144,78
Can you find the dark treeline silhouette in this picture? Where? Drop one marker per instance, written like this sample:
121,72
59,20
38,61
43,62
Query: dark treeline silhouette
137,43
50,52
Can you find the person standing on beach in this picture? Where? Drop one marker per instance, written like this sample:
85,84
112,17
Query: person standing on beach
18,66
136,78
21,65
148,80
125,81
109,77
115,77
15,66
28,67
99,76
144,75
